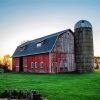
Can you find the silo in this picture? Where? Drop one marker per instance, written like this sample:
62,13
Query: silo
84,53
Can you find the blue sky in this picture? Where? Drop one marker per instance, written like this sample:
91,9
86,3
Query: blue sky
29,19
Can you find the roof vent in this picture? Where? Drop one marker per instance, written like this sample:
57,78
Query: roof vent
82,21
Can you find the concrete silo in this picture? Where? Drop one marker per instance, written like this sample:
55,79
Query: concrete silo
84,53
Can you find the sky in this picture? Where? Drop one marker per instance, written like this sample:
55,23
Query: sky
23,20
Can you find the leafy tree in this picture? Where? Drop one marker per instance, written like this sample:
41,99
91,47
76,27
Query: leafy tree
5,62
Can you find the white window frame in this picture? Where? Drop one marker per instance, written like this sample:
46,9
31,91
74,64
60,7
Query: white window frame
41,64
32,65
22,48
39,44
36,64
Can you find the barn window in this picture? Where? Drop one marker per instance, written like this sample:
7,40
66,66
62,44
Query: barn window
39,44
32,64
36,64
22,48
41,64
54,64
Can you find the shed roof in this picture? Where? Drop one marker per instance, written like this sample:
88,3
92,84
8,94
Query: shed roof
30,47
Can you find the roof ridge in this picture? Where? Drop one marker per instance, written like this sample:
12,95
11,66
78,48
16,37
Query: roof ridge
50,35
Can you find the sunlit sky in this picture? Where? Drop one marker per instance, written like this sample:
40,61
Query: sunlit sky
29,19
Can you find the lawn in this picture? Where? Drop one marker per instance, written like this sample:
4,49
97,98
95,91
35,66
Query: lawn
67,86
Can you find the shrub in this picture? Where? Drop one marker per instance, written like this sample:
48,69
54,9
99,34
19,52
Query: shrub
3,68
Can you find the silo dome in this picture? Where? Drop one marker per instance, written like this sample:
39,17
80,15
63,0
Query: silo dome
83,23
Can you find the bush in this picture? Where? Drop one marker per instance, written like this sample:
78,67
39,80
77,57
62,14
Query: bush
3,68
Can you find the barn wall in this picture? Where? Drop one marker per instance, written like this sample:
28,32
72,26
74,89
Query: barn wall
15,64
62,55
33,63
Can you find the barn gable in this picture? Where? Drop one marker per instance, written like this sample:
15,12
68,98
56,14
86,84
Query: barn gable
62,55
37,46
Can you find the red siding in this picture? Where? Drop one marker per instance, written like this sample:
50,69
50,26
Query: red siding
33,58
15,64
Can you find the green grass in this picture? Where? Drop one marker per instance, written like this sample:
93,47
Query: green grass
68,86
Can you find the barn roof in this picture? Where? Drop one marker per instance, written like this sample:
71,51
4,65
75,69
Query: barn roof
37,46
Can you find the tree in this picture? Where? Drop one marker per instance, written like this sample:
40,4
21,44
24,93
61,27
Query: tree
97,62
7,61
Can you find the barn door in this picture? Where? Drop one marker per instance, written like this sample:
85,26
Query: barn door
21,64
54,67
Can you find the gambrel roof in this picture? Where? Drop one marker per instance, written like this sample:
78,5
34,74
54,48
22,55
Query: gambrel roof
37,46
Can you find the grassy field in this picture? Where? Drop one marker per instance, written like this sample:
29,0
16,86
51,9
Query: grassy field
69,86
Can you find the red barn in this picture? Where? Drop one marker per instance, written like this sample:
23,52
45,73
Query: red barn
50,54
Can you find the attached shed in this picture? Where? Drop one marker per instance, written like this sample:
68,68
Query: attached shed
50,54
